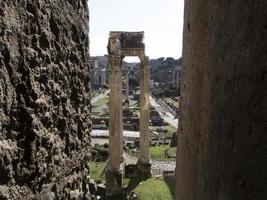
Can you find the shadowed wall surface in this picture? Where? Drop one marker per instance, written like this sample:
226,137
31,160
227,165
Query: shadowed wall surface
44,99
222,145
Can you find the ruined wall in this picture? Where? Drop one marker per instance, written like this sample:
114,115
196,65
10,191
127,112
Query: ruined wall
222,147
44,99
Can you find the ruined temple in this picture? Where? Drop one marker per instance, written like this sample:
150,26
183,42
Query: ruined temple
121,44
45,122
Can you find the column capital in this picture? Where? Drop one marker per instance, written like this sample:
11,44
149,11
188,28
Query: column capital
145,60
114,61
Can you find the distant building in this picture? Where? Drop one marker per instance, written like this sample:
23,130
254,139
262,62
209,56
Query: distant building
98,75
103,77
95,73
176,76
151,84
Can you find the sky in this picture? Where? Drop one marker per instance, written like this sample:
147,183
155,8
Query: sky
162,21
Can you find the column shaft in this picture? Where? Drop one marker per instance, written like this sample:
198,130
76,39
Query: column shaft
144,111
115,114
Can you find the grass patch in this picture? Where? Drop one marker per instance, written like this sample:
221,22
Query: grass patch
170,130
97,172
136,111
147,189
172,151
98,109
133,103
154,189
161,152
102,102
158,152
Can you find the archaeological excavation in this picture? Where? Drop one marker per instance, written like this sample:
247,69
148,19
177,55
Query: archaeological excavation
80,119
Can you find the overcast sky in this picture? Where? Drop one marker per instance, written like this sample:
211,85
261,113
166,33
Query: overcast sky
162,21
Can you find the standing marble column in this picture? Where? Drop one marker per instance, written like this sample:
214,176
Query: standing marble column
144,163
114,172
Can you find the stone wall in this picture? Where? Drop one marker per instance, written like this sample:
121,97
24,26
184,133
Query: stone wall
44,99
222,147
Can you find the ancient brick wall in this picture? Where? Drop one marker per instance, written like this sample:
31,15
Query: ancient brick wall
222,146
44,99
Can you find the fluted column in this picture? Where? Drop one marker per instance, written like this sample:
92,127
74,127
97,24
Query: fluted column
114,171
144,160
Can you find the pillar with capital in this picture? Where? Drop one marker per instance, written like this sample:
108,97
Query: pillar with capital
144,162
123,44
115,166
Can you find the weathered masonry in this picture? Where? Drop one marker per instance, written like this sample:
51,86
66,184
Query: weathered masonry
123,44
222,145
44,100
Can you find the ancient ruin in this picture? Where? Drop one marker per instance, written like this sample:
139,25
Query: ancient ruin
45,119
123,44
44,100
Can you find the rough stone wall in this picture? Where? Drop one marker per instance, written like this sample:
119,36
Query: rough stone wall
222,147
44,99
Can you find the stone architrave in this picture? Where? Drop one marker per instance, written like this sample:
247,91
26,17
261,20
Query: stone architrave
144,160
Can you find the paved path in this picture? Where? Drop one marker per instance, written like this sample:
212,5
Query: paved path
98,97
164,113
105,133
130,160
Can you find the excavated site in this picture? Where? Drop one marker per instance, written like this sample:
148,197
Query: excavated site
45,120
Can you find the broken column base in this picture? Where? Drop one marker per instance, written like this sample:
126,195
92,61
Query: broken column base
144,169
114,181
